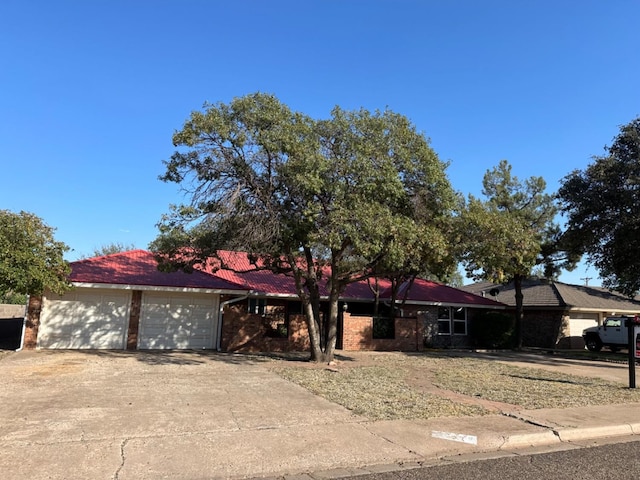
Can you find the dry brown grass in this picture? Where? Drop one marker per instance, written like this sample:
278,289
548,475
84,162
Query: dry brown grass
396,386
5,353
376,392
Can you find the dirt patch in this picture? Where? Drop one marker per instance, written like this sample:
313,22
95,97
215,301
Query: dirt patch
49,370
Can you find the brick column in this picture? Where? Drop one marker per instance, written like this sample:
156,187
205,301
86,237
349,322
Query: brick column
134,320
33,322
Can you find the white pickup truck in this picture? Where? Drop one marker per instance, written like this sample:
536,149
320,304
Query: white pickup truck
612,333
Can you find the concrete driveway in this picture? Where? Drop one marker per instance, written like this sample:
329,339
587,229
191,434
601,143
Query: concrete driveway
103,415
189,415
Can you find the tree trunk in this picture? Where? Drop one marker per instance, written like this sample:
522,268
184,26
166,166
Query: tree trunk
332,330
311,301
314,337
517,283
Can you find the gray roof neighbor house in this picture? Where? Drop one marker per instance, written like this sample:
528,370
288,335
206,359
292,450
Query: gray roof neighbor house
555,313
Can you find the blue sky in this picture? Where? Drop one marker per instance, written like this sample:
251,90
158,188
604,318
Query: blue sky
92,91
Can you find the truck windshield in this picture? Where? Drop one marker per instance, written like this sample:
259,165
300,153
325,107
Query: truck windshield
612,322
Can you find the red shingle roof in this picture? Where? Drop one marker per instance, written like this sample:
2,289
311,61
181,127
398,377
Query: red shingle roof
242,272
139,267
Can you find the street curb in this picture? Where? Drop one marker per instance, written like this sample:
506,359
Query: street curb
589,433
547,437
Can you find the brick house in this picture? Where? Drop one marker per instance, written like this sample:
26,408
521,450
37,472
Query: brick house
555,313
122,301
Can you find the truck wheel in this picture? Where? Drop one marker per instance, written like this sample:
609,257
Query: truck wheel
593,344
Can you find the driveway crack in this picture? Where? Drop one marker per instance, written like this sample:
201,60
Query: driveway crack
123,458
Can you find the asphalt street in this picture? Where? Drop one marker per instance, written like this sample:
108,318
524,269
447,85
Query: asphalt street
601,462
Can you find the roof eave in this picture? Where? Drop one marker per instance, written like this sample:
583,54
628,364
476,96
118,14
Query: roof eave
454,304
160,288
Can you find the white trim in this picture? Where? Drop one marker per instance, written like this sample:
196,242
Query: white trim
598,311
464,305
284,296
152,288
386,300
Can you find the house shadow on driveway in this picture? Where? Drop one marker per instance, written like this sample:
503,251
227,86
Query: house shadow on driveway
193,357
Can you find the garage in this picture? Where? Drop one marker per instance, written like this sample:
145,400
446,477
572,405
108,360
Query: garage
578,321
178,320
85,318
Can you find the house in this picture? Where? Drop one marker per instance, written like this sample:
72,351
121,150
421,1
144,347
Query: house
556,313
122,301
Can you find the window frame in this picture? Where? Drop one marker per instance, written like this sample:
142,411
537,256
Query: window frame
257,306
444,321
451,322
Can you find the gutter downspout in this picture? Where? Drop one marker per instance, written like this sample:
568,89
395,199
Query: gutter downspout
220,315
24,325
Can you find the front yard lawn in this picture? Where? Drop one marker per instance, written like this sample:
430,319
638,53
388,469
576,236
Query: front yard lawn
398,386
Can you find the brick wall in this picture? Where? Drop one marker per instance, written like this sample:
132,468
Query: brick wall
544,328
33,322
134,320
246,332
357,334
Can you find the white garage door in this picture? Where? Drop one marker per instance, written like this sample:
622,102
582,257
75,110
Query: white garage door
178,321
579,321
85,319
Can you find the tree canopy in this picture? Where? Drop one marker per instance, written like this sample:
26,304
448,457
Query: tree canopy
109,249
513,230
31,260
602,204
362,193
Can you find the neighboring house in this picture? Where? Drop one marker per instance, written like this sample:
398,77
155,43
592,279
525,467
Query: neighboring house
122,301
556,313
11,321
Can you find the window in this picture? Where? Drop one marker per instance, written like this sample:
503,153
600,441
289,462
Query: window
444,321
459,321
612,322
452,320
274,318
257,305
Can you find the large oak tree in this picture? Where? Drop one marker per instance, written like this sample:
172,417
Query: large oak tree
31,260
328,201
602,204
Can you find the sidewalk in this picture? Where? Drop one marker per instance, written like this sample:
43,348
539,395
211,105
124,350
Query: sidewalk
424,443
123,416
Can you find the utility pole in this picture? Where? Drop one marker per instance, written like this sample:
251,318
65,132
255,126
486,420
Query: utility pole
586,281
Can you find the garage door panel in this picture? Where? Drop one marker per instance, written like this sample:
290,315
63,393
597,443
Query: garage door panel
178,321
81,319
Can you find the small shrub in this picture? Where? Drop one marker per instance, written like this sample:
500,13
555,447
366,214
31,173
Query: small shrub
493,330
